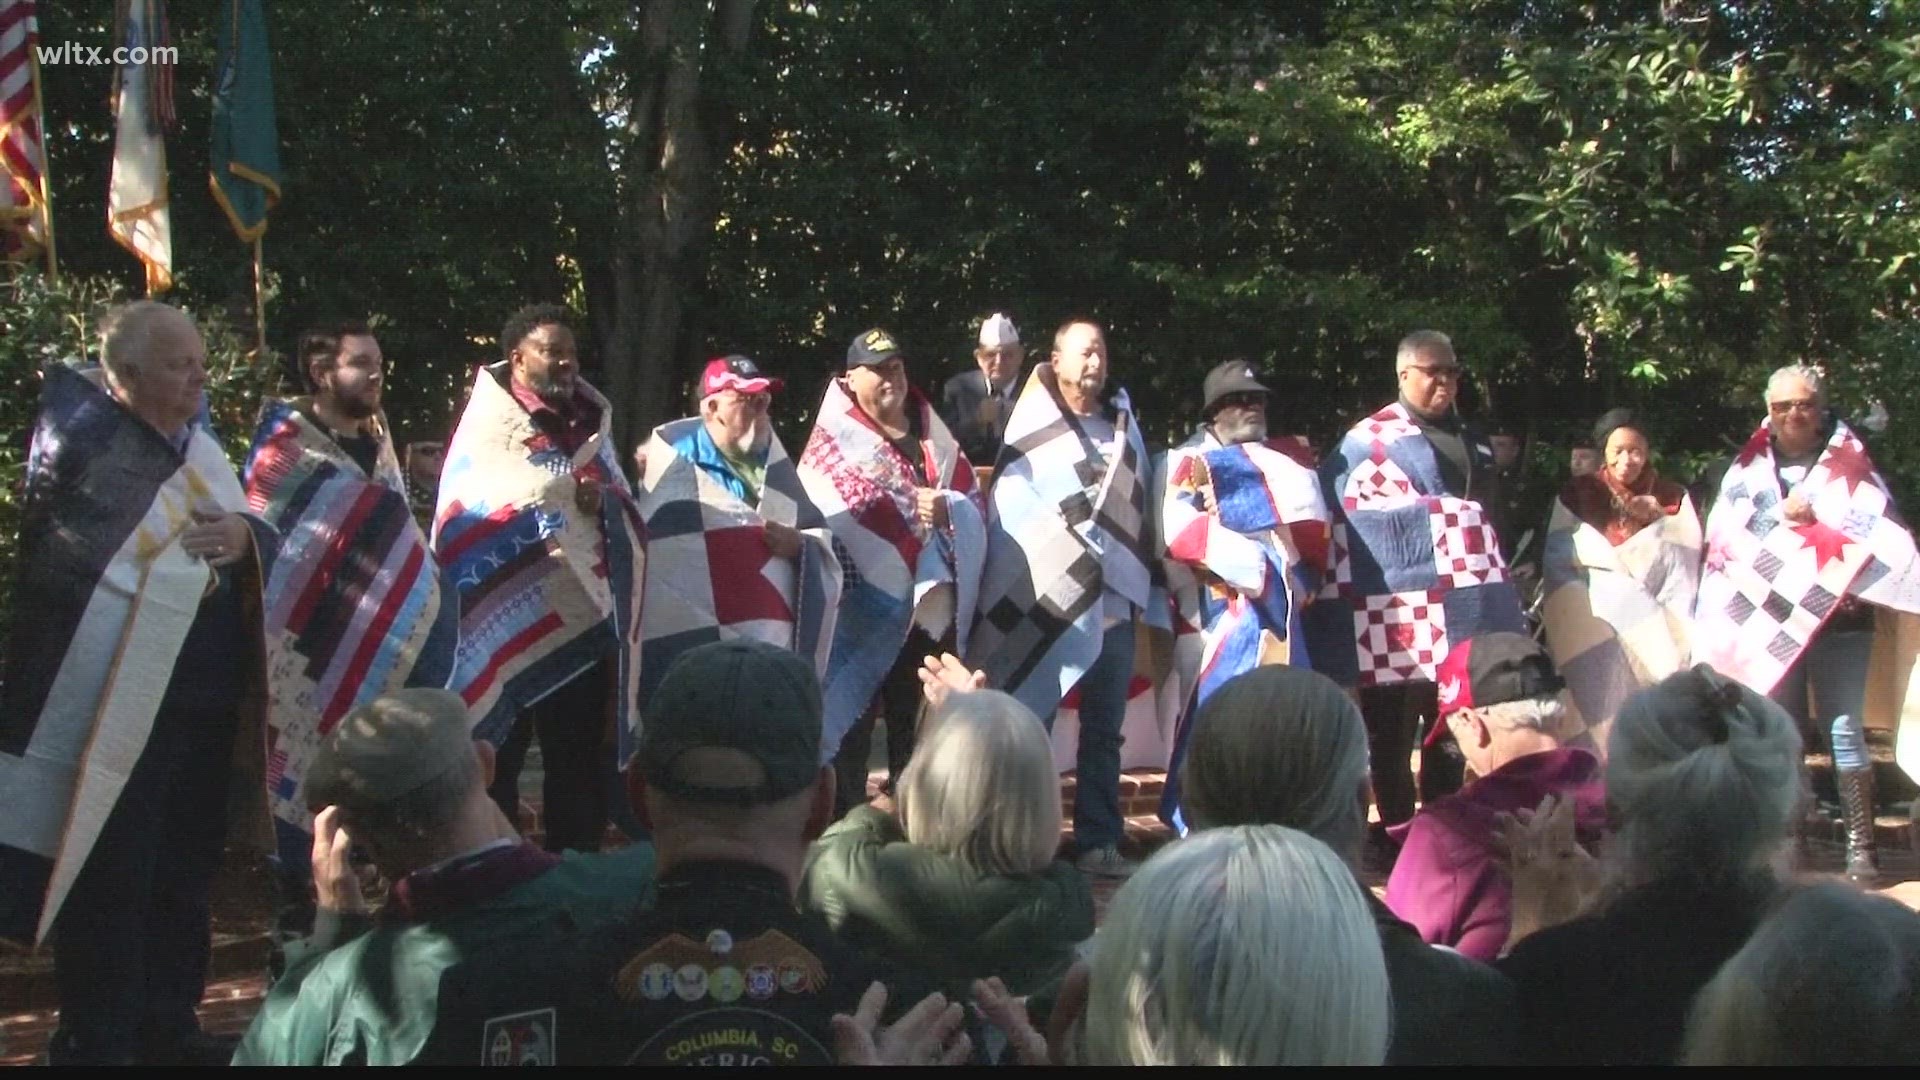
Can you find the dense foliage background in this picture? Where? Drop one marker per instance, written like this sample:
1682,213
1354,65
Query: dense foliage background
1648,202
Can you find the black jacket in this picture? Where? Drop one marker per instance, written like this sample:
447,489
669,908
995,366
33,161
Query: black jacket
721,970
1447,1009
976,419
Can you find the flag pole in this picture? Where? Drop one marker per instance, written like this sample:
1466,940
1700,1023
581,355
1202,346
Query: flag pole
259,302
46,162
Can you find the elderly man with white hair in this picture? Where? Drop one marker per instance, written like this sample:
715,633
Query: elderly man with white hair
132,690
977,403
1811,583
1501,700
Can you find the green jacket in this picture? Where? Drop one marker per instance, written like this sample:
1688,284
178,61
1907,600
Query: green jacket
935,914
371,999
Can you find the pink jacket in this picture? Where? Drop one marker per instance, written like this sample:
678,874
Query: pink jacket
1449,882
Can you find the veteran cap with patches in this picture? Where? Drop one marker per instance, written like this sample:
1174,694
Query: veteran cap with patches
1492,669
733,722
872,348
389,748
1229,378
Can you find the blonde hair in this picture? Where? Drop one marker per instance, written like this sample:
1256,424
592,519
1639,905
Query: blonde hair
1705,776
1828,979
1243,946
982,787
1279,745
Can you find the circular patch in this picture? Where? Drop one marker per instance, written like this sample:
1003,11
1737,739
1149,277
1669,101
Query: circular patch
727,984
731,1036
793,976
656,982
719,942
761,982
690,982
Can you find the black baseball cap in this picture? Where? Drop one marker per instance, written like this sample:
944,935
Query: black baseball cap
872,348
1227,378
1489,670
742,695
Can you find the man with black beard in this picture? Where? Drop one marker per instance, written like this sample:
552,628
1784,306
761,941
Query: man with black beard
535,526
356,609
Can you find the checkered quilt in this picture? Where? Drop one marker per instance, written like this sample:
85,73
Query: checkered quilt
1063,528
898,573
1769,584
1413,567
710,573
1619,618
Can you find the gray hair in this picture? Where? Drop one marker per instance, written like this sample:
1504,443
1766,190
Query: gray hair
1537,714
1418,344
981,786
1279,745
126,335
1830,978
1815,381
1245,946
1705,777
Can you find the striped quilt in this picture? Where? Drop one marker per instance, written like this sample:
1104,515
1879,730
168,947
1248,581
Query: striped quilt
546,587
1619,618
711,575
898,573
1413,567
354,606
1061,530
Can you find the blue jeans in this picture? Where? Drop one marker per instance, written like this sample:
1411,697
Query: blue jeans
1828,680
1097,821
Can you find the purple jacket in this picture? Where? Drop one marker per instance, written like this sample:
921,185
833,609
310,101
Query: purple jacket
1449,881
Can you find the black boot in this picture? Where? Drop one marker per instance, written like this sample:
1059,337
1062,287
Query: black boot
1856,795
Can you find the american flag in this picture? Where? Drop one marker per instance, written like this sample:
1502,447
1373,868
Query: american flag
23,212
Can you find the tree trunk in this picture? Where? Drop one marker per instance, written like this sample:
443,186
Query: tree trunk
680,139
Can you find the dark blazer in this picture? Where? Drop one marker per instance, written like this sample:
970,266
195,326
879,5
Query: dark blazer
976,419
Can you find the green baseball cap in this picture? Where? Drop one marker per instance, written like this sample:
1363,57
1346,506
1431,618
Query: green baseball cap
758,700
390,747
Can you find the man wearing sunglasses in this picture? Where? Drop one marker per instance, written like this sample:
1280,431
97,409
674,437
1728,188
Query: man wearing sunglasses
1417,566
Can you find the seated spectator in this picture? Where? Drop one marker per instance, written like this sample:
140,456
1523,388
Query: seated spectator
1286,746
1829,979
1249,945
722,969
1704,779
1501,700
960,881
402,778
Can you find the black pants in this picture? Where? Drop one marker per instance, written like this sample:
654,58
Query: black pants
1398,716
572,727
898,699
134,938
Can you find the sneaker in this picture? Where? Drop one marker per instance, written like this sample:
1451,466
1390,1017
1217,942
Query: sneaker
1106,862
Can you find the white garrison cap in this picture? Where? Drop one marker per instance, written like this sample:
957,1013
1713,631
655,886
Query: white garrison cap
997,331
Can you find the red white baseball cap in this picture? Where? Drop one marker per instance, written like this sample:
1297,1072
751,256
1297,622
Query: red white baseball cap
736,373
1489,670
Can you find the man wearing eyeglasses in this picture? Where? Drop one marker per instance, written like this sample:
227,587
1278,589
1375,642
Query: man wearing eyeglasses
1417,566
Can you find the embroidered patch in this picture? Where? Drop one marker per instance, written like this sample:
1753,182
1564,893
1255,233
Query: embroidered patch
526,1038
